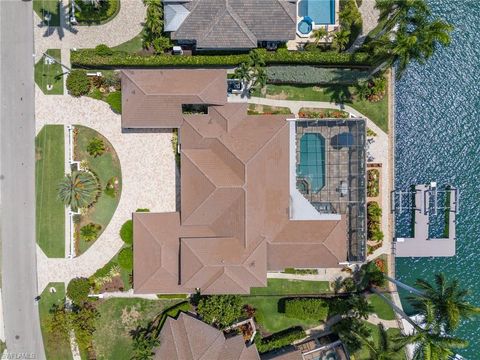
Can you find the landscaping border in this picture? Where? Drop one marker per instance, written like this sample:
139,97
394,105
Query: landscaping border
89,59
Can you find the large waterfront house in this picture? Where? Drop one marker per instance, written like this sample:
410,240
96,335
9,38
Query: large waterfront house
258,193
245,24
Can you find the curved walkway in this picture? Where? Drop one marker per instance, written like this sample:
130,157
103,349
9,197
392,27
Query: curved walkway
148,178
123,27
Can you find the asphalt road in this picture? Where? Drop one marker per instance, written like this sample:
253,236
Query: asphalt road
17,181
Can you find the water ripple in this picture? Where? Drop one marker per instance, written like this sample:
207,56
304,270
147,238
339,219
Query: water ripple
438,139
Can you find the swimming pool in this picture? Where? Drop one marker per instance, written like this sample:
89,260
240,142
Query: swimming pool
322,12
312,162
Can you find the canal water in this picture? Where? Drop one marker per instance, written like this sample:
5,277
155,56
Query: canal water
438,139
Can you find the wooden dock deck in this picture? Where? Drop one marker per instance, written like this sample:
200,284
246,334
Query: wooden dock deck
421,245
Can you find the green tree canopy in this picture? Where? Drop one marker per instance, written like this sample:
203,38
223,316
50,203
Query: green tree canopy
78,290
220,310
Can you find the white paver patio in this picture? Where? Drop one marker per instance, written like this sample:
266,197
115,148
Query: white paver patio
148,178
123,27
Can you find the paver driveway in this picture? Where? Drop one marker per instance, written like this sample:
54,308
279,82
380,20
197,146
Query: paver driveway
148,174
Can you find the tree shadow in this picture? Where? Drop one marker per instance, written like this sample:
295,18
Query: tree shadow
64,20
339,94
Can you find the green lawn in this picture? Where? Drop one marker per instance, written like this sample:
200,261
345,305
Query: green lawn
41,7
54,348
375,111
269,314
381,308
50,74
292,287
131,46
106,167
363,353
112,339
49,171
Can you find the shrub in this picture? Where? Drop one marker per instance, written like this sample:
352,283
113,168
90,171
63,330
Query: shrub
103,50
161,44
96,147
300,271
279,340
306,309
220,310
374,220
373,180
78,83
86,58
90,232
142,210
114,99
78,290
111,189
305,74
126,232
125,258
105,270
112,79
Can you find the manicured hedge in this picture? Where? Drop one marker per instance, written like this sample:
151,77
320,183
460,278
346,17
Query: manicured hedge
89,58
306,309
126,232
279,340
305,74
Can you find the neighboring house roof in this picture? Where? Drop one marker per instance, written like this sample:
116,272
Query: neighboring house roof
153,99
237,24
174,15
187,338
234,222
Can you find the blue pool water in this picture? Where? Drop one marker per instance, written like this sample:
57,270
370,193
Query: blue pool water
312,161
437,137
305,27
322,12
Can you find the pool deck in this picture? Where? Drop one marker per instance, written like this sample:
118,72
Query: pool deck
421,245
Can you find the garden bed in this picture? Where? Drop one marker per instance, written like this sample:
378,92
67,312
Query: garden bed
49,172
107,88
87,13
256,109
106,168
373,182
320,113
50,74
292,287
374,222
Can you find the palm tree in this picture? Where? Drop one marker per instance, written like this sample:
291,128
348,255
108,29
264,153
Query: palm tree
387,348
430,343
90,231
341,40
400,13
319,35
78,189
447,300
96,147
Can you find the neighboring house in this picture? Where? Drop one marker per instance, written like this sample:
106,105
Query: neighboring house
242,213
230,24
188,338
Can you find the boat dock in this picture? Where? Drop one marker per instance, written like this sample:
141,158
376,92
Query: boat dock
421,245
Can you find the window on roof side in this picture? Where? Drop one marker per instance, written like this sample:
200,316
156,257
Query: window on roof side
193,109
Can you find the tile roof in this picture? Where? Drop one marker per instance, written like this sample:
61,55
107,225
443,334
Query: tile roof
237,24
153,98
234,222
187,338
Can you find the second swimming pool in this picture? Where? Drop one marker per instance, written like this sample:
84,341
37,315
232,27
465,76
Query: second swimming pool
322,12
